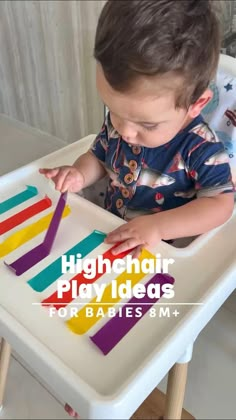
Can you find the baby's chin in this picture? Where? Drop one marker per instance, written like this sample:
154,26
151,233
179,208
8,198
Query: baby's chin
132,143
149,145
143,143
135,143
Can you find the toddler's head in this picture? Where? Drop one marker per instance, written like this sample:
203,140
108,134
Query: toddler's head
155,59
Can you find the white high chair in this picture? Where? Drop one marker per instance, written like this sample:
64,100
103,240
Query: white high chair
228,64
165,349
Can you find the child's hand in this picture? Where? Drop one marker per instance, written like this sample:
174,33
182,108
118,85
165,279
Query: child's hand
139,233
65,178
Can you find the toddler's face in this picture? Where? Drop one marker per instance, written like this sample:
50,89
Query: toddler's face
146,116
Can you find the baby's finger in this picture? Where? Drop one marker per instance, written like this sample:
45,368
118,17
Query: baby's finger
127,245
60,179
49,173
137,251
118,235
118,230
68,183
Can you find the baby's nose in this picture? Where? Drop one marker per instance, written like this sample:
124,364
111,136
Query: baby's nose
128,132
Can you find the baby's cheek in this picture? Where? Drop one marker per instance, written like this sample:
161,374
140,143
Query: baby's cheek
163,135
154,138
148,138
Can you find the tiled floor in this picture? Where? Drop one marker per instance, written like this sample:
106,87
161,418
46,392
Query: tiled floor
211,380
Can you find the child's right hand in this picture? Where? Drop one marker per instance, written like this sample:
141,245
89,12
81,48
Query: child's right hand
65,178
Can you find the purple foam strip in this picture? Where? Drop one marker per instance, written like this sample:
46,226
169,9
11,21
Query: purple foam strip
41,251
55,222
116,328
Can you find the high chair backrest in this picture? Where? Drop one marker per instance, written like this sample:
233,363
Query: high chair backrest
227,64
220,113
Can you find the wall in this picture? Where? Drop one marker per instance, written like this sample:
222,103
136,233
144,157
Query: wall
226,8
228,18
47,72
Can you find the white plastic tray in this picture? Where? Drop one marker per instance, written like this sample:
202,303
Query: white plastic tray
111,386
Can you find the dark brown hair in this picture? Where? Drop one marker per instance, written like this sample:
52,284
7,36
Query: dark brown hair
159,37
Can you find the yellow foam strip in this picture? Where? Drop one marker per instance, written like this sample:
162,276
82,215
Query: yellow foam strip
29,232
80,323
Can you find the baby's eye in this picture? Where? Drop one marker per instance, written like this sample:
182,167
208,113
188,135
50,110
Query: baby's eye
150,127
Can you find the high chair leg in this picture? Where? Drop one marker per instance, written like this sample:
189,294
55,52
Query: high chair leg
5,354
175,391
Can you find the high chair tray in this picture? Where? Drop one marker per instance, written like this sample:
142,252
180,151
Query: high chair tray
95,385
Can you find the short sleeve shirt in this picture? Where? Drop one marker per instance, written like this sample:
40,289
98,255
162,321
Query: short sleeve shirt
145,180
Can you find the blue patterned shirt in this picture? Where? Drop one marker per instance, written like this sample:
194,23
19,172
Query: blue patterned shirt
145,180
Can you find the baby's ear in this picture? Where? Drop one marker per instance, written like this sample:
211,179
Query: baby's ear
196,108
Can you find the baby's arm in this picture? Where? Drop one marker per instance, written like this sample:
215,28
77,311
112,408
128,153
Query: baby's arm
196,217
212,207
90,167
193,218
86,170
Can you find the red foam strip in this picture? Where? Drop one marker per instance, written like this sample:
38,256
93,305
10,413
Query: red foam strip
25,214
58,303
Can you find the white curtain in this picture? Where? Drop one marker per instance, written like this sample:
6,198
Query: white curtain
47,69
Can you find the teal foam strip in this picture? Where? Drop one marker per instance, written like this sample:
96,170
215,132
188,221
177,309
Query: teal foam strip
17,199
51,273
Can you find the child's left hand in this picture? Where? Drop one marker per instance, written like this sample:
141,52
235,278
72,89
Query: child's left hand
138,233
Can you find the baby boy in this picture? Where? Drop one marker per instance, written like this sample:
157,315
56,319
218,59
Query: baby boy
168,174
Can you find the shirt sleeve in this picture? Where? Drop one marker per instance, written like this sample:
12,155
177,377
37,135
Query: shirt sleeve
210,170
100,144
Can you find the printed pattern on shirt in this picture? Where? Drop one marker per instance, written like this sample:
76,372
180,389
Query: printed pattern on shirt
149,180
